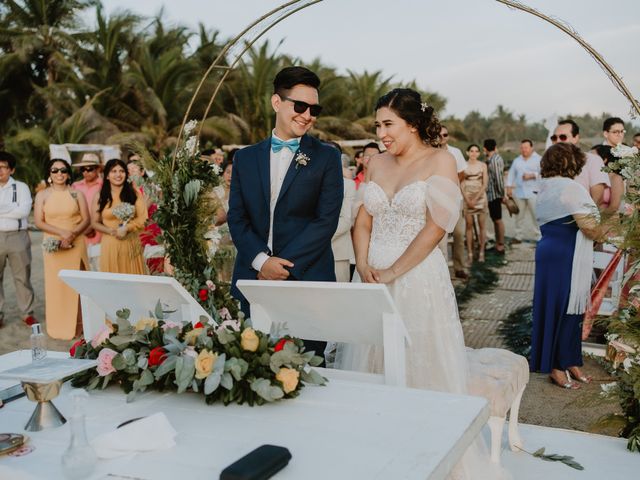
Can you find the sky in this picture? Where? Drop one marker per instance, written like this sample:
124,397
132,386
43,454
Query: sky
476,53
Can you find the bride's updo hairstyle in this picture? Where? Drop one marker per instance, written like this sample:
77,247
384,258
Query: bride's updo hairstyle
407,104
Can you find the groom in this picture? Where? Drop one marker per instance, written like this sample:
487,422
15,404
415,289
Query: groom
286,193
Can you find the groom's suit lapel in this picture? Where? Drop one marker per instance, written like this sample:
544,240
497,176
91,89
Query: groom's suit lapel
264,168
292,172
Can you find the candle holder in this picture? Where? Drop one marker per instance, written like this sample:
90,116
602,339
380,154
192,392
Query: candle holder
45,415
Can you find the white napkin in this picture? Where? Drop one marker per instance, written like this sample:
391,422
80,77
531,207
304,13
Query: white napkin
148,434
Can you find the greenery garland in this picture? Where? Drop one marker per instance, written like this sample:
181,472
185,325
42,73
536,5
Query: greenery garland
623,351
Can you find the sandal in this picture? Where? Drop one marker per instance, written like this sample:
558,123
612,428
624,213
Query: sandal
568,384
580,378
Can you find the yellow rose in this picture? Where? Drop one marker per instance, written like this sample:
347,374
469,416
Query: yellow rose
249,341
191,336
145,322
289,379
205,363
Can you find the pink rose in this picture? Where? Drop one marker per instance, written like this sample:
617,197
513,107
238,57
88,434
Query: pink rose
224,313
210,285
101,336
169,324
232,324
105,357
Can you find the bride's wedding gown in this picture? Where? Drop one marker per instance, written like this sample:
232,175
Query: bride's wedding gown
424,296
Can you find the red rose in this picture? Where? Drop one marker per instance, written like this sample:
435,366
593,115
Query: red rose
72,350
198,325
157,356
203,294
280,345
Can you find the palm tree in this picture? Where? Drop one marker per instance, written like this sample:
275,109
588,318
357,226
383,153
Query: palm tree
364,90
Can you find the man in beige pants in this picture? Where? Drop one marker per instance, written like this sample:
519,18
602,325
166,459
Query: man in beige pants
15,245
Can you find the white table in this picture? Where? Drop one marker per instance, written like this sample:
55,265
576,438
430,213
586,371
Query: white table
344,430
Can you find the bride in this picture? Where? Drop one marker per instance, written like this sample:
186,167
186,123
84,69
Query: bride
411,199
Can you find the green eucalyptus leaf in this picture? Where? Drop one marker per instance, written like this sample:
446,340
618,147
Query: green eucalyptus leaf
212,382
159,314
167,366
185,370
146,378
226,381
312,377
129,356
123,314
118,362
264,389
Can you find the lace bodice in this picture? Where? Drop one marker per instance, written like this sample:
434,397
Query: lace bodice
397,220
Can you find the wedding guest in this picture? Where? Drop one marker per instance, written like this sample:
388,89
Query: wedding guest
564,257
636,140
495,190
522,186
90,185
341,243
591,176
61,213
15,243
458,232
121,250
370,149
225,255
474,186
613,131
612,197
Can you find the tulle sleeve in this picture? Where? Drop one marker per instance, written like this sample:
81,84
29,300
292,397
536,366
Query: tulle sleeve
444,201
358,202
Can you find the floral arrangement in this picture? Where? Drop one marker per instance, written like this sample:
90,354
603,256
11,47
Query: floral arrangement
124,212
623,330
229,362
51,244
186,209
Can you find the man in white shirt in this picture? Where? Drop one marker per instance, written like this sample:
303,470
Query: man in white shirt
591,177
15,244
458,232
522,185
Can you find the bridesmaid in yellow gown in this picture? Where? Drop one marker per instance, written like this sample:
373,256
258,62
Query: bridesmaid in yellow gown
120,250
61,213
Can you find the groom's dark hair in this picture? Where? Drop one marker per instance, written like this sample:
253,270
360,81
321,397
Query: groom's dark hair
289,77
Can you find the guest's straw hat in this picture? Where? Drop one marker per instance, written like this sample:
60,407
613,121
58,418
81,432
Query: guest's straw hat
88,159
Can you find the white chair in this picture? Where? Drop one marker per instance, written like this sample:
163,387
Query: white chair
359,313
500,376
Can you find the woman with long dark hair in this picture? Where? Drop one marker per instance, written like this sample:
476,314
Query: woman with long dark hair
61,213
120,213
411,200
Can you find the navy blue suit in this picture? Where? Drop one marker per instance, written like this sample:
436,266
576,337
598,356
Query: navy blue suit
305,217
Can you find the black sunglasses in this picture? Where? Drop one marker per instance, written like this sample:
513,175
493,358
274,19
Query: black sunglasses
87,169
562,137
444,135
61,170
300,107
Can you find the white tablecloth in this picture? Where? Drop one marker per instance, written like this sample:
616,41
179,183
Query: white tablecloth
343,430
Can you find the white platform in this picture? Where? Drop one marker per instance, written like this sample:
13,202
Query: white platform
602,457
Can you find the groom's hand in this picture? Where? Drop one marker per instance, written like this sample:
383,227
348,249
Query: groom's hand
274,269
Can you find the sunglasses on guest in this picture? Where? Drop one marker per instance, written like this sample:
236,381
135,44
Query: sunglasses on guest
300,107
87,169
62,170
562,137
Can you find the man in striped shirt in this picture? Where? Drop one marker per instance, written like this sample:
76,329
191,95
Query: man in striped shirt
495,190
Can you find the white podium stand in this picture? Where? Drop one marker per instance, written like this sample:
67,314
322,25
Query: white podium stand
102,294
357,313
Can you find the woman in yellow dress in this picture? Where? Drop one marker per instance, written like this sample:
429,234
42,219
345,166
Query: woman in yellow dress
61,213
121,250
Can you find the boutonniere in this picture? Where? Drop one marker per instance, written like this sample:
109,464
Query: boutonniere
302,160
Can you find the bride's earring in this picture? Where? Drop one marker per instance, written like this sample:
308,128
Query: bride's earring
49,181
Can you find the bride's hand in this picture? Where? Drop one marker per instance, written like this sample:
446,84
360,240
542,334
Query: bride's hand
385,276
368,274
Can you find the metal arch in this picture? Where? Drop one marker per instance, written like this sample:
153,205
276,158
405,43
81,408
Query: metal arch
569,30
250,34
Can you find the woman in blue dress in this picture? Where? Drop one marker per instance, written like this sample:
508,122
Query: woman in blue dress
568,221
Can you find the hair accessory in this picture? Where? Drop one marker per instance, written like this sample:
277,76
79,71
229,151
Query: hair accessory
424,106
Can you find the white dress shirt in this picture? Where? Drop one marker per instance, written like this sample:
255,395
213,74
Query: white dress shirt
461,163
278,164
520,167
14,209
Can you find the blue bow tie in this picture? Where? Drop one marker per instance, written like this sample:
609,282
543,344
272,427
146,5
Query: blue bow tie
277,144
